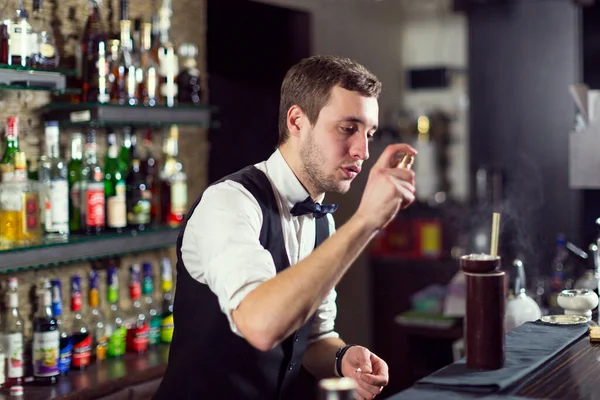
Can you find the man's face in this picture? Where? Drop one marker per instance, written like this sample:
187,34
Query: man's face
332,152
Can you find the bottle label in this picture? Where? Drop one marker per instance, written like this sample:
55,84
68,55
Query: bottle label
154,332
30,217
166,328
151,83
140,212
117,212
82,350
131,82
47,50
135,290
179,197
137,338
94,215
116,342
45,353
57,211
101,348
65,354
13,344
20,41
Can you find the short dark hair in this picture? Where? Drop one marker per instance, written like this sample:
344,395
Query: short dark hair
308,85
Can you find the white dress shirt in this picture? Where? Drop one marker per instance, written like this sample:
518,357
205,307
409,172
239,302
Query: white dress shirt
221,246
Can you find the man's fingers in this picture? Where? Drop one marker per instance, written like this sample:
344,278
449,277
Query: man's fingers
402,174
374,380
388,158
373,390
362,394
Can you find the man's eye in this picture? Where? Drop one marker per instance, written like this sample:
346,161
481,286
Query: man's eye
370,138
349,129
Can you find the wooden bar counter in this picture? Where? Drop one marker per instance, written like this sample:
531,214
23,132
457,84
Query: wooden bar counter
574,374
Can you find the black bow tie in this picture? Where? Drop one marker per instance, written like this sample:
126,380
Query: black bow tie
308,206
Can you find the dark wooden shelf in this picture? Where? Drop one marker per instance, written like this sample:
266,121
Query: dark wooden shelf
85,248
104,378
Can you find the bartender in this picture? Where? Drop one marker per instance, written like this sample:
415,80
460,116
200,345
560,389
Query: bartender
258,260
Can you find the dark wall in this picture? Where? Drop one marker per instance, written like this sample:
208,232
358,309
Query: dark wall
591,76
250,46
523,55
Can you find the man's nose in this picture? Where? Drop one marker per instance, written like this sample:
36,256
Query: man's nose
359,148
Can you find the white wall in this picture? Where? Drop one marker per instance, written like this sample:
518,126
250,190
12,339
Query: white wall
366,31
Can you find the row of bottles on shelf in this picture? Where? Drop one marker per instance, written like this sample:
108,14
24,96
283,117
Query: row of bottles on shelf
59,345
127,191
132,67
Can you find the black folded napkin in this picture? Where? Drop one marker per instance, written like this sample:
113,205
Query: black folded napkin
422,393
527,347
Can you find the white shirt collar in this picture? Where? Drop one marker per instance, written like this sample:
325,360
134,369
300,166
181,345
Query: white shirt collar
285,181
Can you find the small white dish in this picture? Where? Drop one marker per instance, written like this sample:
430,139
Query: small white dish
578,302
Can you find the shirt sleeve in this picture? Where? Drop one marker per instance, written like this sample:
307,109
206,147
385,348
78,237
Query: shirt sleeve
221,246
323,323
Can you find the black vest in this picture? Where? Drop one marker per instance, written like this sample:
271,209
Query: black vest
206,359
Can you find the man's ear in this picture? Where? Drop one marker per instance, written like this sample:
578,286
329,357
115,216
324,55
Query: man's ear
295,119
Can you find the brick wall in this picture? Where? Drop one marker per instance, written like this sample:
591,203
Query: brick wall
68,18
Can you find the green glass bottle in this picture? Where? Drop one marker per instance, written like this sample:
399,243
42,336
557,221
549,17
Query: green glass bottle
125,152
115,328
114,190
76,182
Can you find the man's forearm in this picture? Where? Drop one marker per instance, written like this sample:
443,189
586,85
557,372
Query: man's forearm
281,305
319,358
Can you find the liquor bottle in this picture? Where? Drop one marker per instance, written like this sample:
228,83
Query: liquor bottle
65,347
152,314
188,81
167,325
173,179
124,91
169,64
150,171
54,182
150,67
97,320
19,210
139,198
125,152
137,323
76,183
115,192
80,332
11,145
4,36
20,38
115,328
93,201
13,336
44,50
45,340
113,63
94,68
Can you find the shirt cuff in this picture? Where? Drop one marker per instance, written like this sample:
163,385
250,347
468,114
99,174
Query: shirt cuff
235,301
